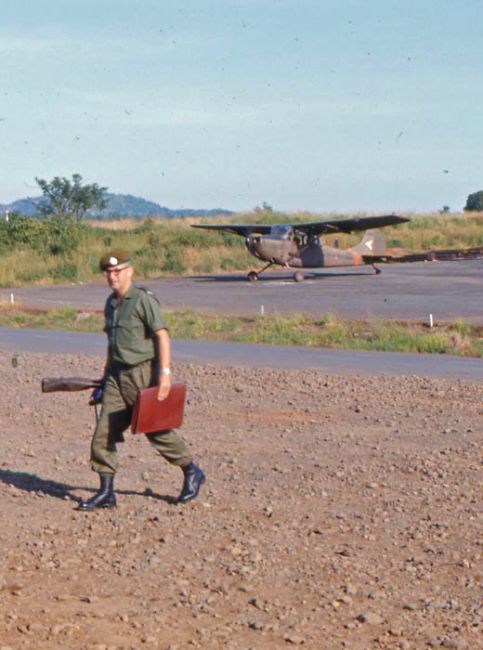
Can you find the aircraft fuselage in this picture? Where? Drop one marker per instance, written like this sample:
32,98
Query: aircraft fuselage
299,251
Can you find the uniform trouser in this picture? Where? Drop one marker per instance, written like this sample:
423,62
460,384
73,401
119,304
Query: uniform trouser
120,392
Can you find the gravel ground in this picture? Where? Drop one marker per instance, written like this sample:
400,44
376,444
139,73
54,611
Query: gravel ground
339,512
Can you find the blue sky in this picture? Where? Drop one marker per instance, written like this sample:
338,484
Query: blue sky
319,105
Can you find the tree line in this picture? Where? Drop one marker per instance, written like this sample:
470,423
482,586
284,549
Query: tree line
71,198
64,198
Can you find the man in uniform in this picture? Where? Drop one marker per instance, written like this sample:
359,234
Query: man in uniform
138,356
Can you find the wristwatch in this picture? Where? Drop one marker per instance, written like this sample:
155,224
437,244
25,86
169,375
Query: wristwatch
165,371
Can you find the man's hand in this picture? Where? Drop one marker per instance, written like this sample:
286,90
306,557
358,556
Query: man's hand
164,387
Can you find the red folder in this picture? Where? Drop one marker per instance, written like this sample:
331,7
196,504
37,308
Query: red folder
149,414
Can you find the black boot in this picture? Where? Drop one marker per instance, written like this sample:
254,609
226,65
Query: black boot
105,498
193,480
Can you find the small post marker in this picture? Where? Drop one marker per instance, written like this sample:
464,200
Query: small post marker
12,300
262,310
430,321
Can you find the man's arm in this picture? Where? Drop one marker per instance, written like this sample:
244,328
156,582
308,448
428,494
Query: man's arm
164,351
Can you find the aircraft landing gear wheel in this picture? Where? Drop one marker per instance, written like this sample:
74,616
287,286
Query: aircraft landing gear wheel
252,276
298,276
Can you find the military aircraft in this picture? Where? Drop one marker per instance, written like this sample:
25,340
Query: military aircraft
298,245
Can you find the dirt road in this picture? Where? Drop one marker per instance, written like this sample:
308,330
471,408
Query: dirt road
339,512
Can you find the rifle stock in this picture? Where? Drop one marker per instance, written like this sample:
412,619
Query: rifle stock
53,384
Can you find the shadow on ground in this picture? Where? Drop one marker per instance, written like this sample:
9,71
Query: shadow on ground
33,483
282,277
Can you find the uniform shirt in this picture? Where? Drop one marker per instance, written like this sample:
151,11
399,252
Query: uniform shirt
130,325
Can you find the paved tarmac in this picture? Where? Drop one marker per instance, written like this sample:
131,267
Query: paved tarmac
447,290
257,356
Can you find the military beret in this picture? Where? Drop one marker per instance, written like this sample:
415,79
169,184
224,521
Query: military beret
114,258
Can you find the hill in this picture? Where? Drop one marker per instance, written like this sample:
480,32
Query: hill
119,206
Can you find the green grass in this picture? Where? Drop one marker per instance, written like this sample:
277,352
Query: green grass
460,338
170,247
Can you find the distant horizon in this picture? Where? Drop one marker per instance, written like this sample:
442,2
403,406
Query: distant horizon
258,208
360,210
39,196
130,205
276,208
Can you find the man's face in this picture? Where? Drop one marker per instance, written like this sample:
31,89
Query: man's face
119,278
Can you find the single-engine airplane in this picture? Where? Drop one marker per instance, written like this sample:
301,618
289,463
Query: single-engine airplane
298,245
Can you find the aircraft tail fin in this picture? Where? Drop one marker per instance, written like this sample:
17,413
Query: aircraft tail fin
371,244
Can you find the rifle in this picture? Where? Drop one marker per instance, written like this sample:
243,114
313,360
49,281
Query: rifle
53,384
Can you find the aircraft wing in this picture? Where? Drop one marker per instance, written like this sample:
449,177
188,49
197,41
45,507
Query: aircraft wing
349,225
314,227
237,229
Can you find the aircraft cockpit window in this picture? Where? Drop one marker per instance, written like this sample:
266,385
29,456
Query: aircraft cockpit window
301,238
281,230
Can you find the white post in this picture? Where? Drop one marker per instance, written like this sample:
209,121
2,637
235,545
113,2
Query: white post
430,321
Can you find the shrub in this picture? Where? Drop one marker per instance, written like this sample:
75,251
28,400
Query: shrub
228,264
30,231
64,235
145,227
154,242
65,271
173,260
231,240
474,202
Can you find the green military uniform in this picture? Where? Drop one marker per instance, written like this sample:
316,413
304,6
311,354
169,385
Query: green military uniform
130,325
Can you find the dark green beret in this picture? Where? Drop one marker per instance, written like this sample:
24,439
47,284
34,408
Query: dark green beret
114,258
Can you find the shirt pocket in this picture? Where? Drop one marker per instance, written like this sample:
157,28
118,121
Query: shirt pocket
126,331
